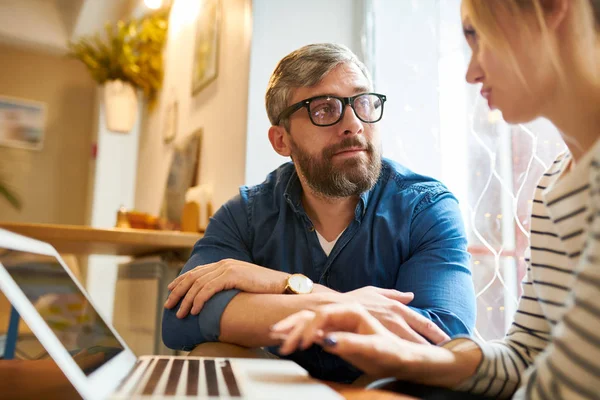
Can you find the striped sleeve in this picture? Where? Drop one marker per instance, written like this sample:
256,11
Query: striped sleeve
504,362
570,367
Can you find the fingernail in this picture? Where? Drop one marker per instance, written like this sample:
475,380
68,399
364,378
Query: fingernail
275,327
329,341
282,351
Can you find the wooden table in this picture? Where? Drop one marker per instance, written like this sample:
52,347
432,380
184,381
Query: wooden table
74,239
356,393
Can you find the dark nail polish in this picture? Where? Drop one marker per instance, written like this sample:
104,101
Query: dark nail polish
329,341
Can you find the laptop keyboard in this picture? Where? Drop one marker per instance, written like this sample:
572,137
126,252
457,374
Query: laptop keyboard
181,377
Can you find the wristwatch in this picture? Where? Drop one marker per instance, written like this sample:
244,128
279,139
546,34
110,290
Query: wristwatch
298,284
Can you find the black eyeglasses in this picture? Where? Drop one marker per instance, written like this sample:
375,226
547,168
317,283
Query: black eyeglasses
329,110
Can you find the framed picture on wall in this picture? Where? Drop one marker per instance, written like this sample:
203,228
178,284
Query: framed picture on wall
206,47
183,174
22,123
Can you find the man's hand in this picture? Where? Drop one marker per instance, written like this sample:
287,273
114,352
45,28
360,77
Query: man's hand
388,306
201,283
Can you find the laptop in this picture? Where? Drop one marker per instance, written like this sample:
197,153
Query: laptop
98,362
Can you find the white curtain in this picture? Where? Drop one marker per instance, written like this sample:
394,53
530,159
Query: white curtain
438,125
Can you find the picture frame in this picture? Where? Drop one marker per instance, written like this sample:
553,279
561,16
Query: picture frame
206,46
22,123
183,174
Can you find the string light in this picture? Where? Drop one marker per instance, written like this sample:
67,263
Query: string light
494,116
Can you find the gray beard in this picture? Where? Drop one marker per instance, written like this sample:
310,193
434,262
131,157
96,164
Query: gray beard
352,178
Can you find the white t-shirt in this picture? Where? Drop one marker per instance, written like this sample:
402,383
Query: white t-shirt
327,246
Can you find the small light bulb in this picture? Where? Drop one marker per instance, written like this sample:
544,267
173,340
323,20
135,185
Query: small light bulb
153,4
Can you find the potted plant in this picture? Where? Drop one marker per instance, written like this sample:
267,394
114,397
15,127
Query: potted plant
129,57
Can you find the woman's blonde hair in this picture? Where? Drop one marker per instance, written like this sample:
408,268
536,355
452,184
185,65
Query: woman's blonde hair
484,18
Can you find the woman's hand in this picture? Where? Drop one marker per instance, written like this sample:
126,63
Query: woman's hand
349,331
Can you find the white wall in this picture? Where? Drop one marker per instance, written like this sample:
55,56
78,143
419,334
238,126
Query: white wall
112,174
48,25
279,27
113,187
41,19
220,109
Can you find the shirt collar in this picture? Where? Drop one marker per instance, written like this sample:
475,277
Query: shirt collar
293,192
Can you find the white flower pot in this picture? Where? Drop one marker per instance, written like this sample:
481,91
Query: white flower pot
120,106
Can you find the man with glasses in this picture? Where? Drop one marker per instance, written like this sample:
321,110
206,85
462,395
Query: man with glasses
337,224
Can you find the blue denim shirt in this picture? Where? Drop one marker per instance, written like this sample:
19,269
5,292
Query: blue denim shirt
407,235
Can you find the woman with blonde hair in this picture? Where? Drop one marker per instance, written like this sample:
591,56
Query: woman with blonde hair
533,58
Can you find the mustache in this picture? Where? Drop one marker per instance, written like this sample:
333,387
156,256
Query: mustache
348,143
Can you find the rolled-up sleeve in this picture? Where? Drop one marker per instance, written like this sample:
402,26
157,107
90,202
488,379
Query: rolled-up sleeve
226,237
438,271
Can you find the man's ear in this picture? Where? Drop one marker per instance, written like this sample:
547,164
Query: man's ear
279,140
556,12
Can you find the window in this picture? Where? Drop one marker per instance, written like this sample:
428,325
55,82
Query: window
438,125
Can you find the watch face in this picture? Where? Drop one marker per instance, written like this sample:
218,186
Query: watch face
300,284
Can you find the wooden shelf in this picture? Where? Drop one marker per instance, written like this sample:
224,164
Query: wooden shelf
76,239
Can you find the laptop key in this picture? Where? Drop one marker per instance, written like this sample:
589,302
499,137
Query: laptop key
210,372
230,381
174,376
193,375
155,377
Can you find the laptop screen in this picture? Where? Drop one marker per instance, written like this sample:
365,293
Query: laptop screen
63,307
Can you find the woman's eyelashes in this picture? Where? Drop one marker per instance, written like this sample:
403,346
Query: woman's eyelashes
470,33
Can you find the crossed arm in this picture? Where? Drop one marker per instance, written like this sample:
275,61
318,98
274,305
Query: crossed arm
221,267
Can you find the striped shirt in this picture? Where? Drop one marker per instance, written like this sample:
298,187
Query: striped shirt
552,350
